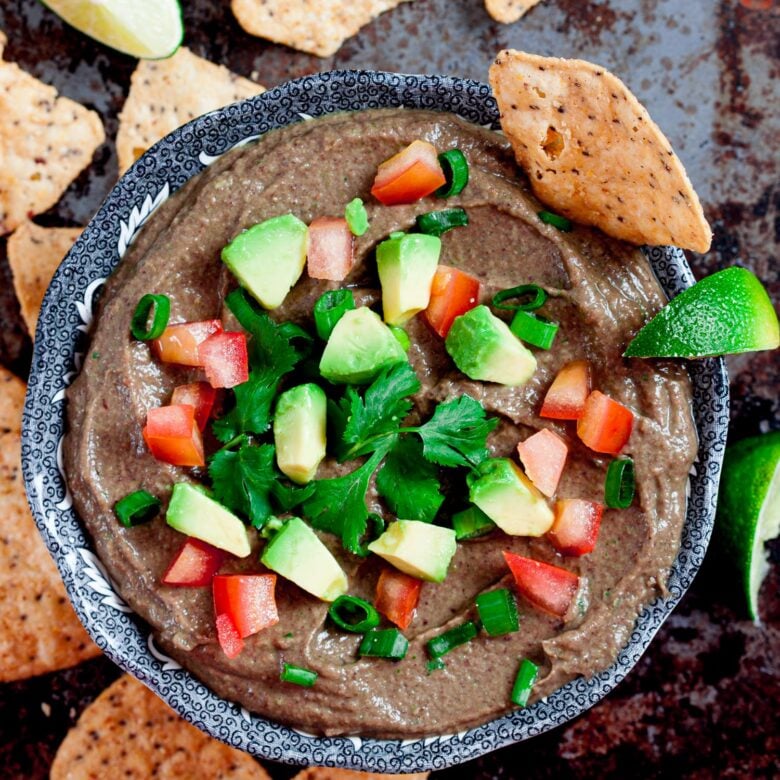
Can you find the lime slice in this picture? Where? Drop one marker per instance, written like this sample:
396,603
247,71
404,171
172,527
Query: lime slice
149,29
725,313
749,508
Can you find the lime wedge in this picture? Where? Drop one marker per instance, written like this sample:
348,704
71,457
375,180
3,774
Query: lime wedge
149,29
749,509
723,314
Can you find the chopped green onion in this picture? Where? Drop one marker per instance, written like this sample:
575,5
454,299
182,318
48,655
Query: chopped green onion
159,307
455,167
435,664
471,523
244,309
298,675
556,220
136,508
620,484
533,329
329,309
271,527
353,614
384,643
498,612
402,336
435,223
356,216
524,682
534,294
449,640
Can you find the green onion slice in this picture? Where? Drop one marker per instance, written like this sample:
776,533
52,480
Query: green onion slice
533,329
455,167
402,336
471,523
449,640
356,216
353,614
556,220
524,682
329,309
245,310
136,508
498,612
620,484
532,297
435,664
156,306
435,223
384,643
298,675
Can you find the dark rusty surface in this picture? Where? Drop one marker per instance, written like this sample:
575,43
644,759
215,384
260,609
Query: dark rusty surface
702,702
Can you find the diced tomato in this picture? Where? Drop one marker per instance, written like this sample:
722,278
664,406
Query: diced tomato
566,396
179,343
225,359
576,526
409,175
453,293
605,424
201,395
397,595
247,599
543,456
194,565
229,639
331,253
547,587
172,435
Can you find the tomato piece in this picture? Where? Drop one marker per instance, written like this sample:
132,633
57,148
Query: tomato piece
397,595
576,526
567,394
201,395
547,587
605,425
179,343
228,637
331,252
453,293
247,599
172,435
409,175
225,359
543,456
194,565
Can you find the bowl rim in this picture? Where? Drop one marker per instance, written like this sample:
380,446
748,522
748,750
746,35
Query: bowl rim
65,318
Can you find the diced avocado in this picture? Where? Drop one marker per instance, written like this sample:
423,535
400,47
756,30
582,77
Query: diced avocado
297,554
504,493
299,431
406,265
268,258
194,513
484,348
420,549
359,347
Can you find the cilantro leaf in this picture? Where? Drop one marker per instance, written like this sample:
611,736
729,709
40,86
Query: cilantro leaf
252,411
409,483
287,497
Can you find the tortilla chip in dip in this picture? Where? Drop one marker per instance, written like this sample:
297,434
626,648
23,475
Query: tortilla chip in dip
318,28
45,142
508,11
34,254
128,732
326,773
165,94
592,152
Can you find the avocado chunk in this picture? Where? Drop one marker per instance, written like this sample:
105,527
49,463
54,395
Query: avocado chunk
299,431
297,554
191,511
406,264
359,347
268,258
506,495
484,348
419,549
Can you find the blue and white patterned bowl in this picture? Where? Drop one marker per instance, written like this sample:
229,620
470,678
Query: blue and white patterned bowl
59,351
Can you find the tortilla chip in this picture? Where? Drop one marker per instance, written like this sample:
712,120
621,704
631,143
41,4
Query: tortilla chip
12,391
165,94
324,773
318,28
34,254
45,142
593,153
127,732
508,11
